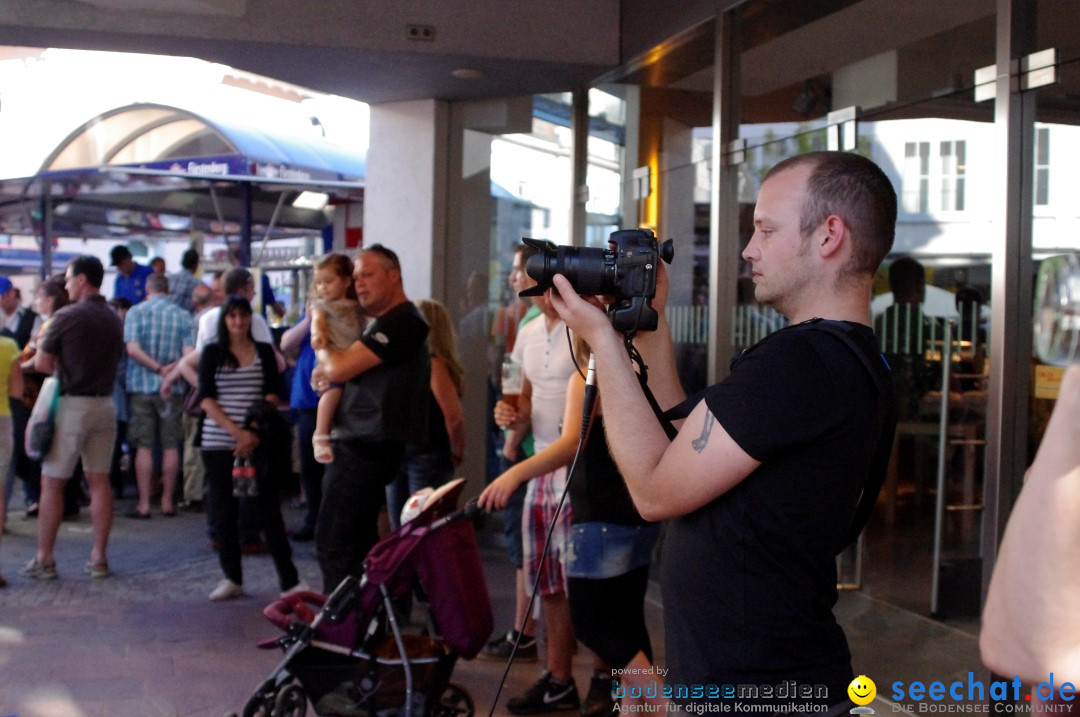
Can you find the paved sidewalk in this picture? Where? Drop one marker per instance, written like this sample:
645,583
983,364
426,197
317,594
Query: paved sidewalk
148,643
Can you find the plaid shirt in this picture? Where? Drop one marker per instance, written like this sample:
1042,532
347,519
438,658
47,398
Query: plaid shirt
162,329
181,283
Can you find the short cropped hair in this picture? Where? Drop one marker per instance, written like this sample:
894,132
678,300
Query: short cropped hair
855,189
157,283
389,258
90,267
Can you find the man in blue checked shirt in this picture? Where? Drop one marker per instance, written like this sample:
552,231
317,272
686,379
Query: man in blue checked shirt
157,333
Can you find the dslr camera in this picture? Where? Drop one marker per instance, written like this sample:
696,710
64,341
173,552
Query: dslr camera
626,271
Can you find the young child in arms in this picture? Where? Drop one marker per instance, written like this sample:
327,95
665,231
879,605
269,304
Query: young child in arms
336,322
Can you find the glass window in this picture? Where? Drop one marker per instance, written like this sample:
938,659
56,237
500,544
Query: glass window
667,180
916,185
1042,166
918,121
952,176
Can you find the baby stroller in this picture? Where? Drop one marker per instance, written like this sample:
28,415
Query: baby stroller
350,653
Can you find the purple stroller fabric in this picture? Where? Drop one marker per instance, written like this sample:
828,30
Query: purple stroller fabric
446,560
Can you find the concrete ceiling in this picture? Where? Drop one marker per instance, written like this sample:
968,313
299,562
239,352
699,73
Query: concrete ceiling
370,50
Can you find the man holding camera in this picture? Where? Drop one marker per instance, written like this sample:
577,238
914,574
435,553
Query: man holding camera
760,486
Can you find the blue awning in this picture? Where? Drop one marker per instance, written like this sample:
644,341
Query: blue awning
155,136
138,170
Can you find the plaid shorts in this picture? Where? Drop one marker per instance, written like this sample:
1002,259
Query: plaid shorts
541,502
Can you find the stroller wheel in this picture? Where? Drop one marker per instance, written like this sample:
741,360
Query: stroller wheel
291,701
455,701
256,707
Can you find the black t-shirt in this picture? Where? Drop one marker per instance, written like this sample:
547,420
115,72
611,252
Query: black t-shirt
389,402
749,580
438,439
598,493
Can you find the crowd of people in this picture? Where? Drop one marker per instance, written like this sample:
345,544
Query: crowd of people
185,379
757,500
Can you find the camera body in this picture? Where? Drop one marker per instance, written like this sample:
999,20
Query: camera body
626,271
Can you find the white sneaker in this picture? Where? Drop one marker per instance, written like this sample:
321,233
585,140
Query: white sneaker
300,587
226,590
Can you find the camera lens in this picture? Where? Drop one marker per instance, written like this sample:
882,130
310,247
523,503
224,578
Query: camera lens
585,268
590,270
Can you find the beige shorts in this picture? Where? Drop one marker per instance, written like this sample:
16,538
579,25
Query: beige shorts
85,428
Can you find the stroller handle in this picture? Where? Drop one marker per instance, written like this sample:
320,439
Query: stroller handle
341,599
469,511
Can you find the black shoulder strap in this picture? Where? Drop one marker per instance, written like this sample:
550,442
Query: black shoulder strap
885,418
885,421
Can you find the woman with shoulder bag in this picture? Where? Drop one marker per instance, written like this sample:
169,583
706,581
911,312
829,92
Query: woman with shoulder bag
51,296
236,373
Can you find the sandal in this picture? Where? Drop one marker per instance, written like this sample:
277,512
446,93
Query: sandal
97,570
39,571
320,443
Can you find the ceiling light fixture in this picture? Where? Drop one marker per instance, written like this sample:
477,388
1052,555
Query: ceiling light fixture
311,200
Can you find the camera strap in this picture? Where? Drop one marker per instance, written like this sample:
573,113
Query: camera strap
643,379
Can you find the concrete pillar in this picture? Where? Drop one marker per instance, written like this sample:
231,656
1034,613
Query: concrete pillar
471,246
406,189
428,197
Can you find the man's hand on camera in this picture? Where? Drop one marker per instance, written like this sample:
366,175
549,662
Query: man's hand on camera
583,314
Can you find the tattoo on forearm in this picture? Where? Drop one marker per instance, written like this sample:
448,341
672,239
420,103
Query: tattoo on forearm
701,441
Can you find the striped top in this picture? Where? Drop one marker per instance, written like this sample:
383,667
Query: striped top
237,390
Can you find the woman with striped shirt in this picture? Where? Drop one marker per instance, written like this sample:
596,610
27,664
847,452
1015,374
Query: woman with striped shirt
235,374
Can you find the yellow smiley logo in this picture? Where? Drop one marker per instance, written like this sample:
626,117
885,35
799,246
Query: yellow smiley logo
862,690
